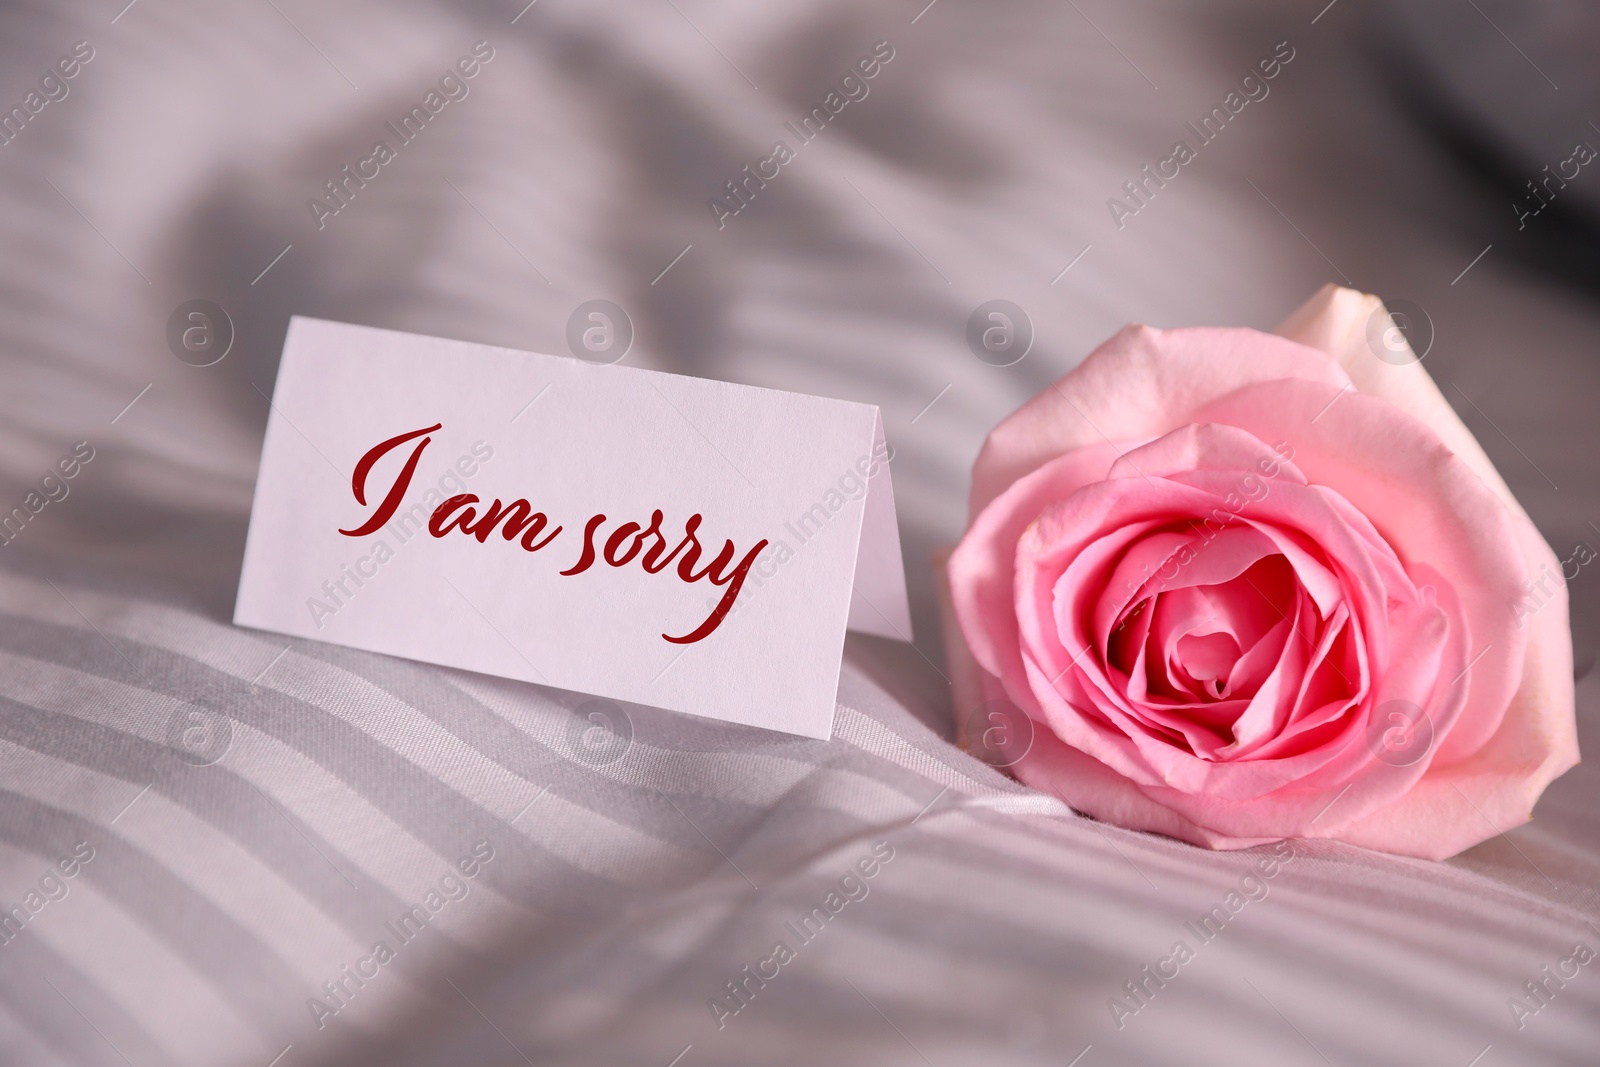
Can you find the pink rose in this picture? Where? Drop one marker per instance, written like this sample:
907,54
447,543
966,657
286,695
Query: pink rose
1248,587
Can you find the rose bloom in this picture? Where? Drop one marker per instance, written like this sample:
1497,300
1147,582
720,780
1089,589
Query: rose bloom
1247,587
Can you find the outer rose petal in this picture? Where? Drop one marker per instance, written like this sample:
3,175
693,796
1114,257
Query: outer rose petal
982,566
1537,740
1091,787
1454,808
1135,387
1337,321
1086,784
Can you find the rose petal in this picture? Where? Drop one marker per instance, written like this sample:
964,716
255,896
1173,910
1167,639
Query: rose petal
1140,384
1065,677
1340,322
981,568
1493,790
1336,320
1426,503
1096,790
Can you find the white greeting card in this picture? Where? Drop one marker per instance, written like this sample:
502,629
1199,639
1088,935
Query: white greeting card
646,537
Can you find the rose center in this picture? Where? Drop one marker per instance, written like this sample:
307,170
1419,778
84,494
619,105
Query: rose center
1206,659
1207,643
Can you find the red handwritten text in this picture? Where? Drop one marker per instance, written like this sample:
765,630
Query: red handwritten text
518,521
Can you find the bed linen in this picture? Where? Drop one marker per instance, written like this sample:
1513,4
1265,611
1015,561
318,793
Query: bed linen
246,817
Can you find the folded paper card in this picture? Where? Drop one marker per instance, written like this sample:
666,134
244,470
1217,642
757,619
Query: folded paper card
624,533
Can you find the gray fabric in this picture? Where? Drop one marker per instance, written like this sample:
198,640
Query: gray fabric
634,875
1520,76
